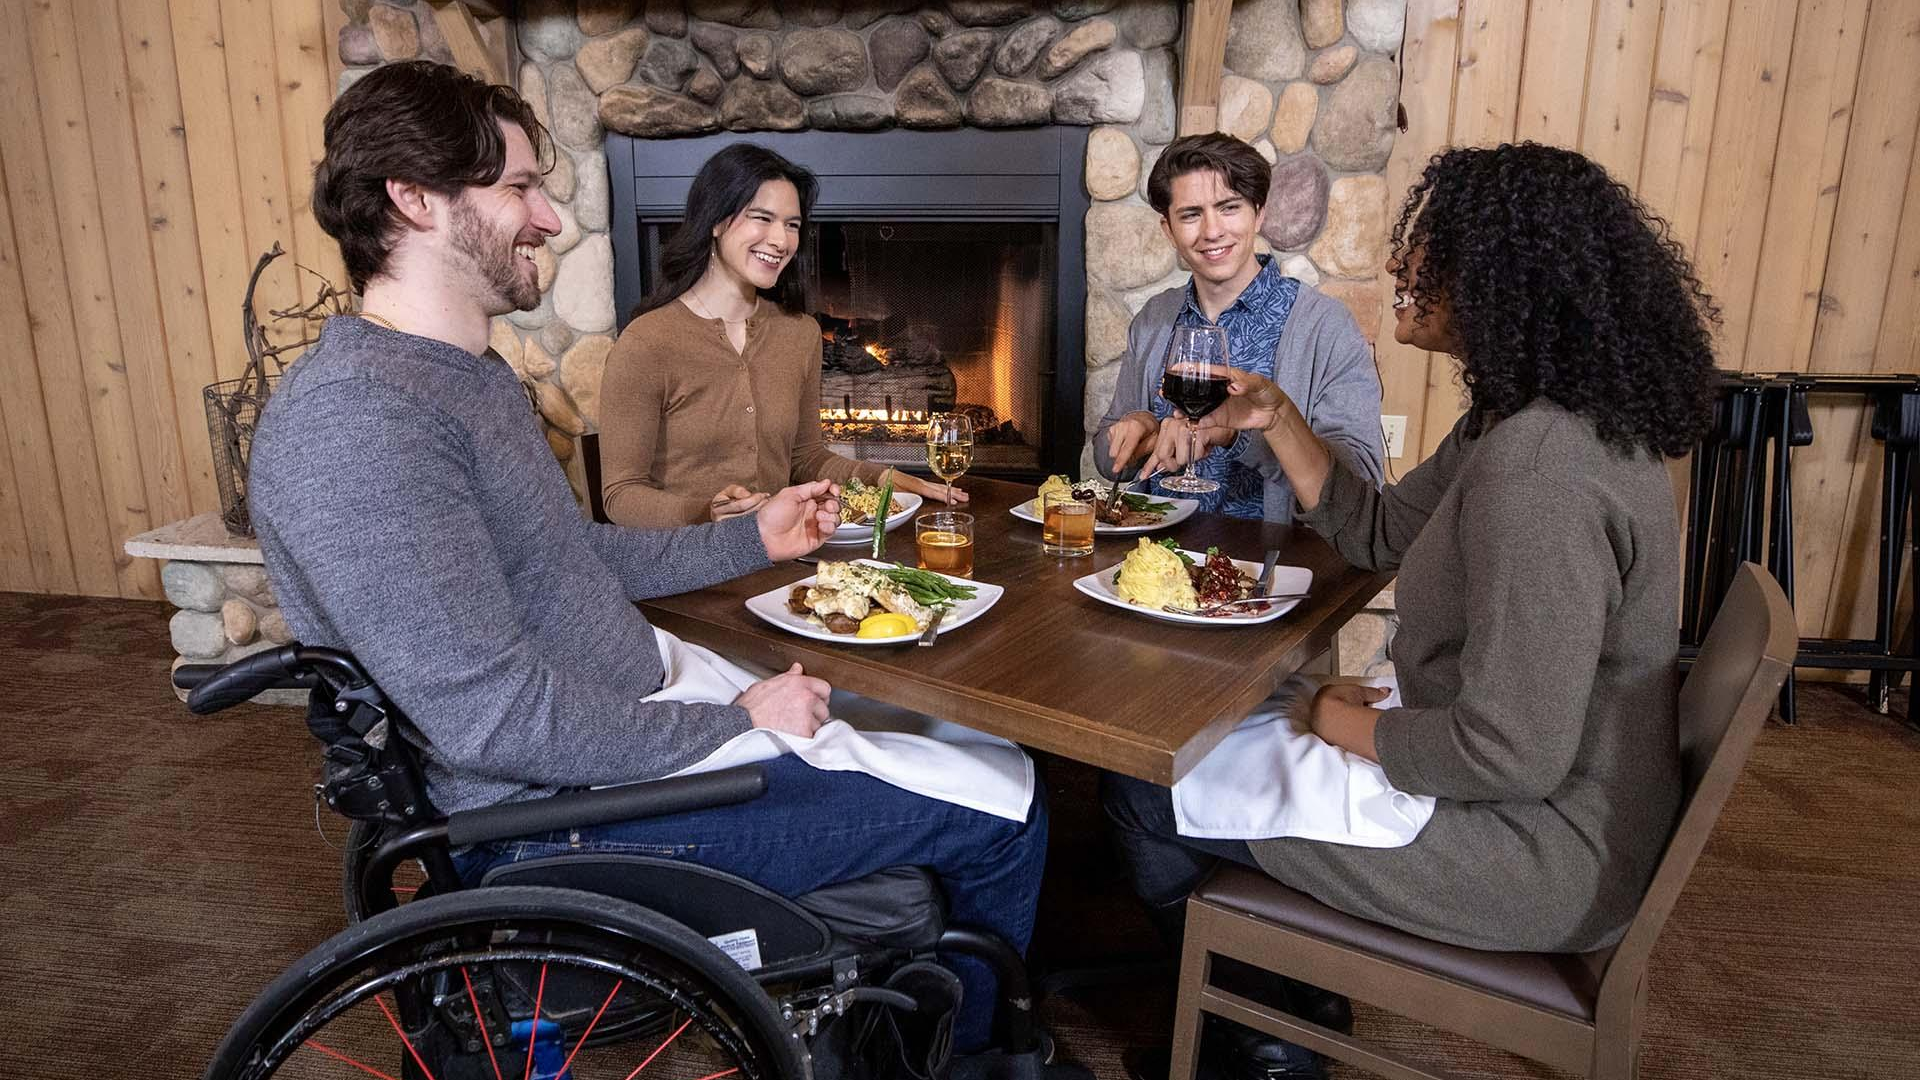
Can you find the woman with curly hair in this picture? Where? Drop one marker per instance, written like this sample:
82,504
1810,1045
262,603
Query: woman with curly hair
1538,557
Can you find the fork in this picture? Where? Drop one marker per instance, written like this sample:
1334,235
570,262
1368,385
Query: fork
1225,604
933,626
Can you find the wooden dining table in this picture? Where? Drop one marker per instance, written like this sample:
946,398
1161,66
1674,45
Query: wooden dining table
1047,666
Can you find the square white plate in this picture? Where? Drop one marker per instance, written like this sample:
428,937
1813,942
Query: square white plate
771,606
904,504
1182,510
1286,579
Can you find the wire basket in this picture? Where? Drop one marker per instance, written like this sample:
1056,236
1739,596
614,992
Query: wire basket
233,411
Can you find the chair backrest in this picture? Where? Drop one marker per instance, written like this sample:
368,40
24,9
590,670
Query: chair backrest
1726,698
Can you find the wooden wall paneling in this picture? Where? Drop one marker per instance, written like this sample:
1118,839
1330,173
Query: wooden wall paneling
1619,84
302,48
35,495
143,340
1427,57
253,87
1553,77
212,155
159,130
1680,111
1493,35
16,555
1814,121
1203,56
1844,479
90,290
1740,171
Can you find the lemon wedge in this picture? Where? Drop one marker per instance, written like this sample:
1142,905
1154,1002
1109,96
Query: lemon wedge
886,624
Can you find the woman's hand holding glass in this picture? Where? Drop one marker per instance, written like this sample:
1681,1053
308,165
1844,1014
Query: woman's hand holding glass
936,492
1253,402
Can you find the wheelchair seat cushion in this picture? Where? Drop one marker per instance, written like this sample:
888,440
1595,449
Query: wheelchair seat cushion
900,907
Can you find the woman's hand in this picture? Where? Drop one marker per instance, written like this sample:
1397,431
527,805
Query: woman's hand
926,489
1342,714
795,520
734,500
1253,402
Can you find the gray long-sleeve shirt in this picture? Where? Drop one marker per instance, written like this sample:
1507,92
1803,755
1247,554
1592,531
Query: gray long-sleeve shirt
1322,362
410,512
1539,572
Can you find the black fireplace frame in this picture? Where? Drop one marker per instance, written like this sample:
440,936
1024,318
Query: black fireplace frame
963,174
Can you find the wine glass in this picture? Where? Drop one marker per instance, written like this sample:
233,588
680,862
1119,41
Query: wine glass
1196,383
949,447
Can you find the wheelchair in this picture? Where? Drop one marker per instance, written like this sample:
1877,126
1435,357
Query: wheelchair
586,965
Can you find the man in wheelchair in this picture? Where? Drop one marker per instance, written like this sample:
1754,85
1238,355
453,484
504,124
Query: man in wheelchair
412,516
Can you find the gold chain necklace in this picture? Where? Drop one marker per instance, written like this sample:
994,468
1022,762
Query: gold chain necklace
707,312
379,321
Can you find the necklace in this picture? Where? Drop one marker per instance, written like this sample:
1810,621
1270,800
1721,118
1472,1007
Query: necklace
707,312
379,321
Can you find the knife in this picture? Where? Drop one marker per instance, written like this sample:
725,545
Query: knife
1265,584
933,626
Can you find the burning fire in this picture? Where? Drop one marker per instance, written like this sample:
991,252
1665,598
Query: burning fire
873,425
877,353
873,416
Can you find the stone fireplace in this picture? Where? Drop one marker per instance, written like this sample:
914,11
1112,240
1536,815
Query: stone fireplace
1312,83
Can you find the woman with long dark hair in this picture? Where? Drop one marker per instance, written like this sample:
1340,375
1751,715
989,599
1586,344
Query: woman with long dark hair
1538,558
711,396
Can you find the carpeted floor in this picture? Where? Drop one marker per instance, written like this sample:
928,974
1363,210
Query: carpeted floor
157,869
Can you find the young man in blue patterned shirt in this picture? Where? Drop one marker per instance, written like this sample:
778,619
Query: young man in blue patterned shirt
1211,193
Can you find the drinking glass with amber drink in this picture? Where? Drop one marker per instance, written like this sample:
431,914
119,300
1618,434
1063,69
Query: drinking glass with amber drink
1066,524
945,539
949,447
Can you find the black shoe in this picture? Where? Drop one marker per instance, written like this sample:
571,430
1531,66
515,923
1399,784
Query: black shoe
1229,1051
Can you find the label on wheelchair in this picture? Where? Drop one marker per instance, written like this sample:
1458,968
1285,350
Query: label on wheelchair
741,946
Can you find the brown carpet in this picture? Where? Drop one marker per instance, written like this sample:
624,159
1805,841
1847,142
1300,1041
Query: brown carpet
156,869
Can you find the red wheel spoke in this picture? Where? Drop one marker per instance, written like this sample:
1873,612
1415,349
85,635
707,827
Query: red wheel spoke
480,1018
718,1075
338,1056
408,1043
590,1025
662,1046
533,1032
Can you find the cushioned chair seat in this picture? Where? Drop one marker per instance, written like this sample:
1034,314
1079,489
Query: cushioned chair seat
1567,984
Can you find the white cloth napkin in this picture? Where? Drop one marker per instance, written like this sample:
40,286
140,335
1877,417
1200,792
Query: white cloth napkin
918,753
1271,777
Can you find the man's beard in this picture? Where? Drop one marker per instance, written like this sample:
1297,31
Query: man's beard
494,260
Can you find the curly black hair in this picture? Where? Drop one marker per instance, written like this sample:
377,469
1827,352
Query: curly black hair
1561,285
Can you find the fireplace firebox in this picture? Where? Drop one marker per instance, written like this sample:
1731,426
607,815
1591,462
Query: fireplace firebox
945,269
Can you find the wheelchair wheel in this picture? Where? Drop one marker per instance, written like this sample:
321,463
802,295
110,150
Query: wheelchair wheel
520,981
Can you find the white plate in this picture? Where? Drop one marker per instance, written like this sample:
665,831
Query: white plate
771,606
1286,579
1182,510
904,504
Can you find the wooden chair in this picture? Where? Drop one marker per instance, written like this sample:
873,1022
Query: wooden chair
1578,1013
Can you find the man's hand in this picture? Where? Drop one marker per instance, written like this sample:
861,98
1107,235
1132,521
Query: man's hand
1253,401
1173,448
734,500
1342,714
1129,437
793,702
795,520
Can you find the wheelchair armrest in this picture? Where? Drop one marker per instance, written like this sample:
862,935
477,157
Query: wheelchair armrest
576,809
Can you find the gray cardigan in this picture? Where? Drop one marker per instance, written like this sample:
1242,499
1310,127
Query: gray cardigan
1539,572
1322,362
410,512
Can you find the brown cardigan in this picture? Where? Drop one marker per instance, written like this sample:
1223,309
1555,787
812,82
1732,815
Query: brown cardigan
682,415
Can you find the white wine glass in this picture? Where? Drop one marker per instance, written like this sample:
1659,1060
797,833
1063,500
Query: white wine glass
949,447
1196,383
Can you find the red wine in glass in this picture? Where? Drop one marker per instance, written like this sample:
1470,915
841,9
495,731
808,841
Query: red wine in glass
1194,391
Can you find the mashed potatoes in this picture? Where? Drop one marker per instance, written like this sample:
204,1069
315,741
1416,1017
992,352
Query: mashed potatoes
1155,577
1055,484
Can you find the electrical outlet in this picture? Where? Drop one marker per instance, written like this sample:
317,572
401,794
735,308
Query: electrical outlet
1393,429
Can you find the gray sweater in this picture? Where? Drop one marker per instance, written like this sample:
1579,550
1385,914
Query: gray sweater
1322,362
1539,576
410,512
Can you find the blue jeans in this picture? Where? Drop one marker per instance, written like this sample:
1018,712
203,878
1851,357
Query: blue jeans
1163,865
814,828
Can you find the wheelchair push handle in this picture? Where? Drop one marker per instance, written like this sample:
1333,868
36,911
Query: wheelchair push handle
214,687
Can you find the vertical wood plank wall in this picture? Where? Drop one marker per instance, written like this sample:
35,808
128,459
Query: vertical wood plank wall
158,146
151,151
1777,137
